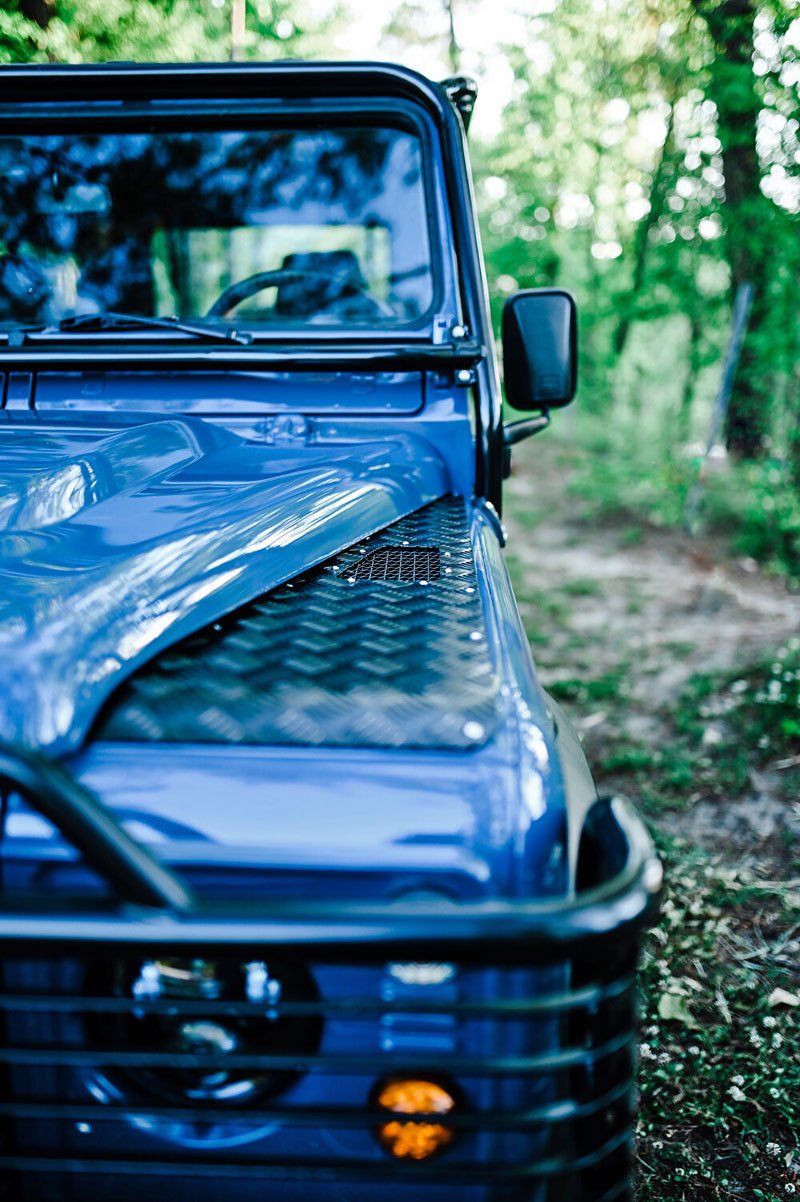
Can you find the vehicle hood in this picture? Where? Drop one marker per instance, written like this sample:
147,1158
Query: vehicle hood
117,542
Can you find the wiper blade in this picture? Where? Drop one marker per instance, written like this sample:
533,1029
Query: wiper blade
91,322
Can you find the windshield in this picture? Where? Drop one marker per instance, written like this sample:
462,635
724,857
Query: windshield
291,226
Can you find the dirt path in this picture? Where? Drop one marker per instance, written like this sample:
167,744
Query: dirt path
641,610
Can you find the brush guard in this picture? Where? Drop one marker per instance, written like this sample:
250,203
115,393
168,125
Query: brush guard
553,1116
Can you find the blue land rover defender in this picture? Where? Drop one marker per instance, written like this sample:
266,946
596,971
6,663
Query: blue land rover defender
306,891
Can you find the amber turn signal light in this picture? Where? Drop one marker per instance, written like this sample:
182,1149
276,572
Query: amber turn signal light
414,1139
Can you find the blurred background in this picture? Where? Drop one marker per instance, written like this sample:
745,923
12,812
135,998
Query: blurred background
645,155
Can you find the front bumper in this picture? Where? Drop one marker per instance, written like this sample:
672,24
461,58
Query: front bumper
538,1040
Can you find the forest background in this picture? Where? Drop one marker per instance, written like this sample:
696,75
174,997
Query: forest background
644,154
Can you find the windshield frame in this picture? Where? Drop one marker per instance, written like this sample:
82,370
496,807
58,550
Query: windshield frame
222,114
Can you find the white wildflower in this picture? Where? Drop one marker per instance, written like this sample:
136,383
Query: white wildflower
693,1050
790,1189
774,1093
736,1093
646,1052
756,1039
770,1021
777,1040
773,1149
737,1080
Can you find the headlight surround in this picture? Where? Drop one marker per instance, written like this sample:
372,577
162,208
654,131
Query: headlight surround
167,1015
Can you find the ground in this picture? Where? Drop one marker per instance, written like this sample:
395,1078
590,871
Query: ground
679,663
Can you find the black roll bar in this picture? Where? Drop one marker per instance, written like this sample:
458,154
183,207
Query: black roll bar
136,875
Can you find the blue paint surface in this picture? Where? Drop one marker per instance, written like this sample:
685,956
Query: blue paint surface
115,544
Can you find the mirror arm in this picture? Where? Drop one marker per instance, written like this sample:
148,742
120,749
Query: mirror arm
514,432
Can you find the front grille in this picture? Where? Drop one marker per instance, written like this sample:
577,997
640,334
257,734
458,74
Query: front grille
542,1056
111,1087
400,563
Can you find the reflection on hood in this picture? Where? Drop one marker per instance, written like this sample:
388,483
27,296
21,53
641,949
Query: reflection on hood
114,545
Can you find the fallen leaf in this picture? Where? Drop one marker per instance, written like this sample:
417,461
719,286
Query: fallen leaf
724,1008
673,1008
780,997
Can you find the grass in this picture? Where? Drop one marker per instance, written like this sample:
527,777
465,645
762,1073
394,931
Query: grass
624,479
724,726
718,1072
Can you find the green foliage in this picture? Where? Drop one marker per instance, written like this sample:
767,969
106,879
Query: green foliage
751,509
583,691
722,728
644,163
149,30
760,504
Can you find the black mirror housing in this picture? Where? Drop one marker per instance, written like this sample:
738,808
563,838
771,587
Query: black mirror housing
540,348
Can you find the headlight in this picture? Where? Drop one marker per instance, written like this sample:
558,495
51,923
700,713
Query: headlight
184,1028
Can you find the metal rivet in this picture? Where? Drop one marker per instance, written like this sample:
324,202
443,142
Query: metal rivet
476,636
473,730
458,332
83,1128
464,376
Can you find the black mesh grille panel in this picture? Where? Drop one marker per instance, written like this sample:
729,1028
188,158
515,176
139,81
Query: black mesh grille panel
400,563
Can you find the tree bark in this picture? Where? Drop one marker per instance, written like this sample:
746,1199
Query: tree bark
40,12
454,50
746,212
658,196
693,370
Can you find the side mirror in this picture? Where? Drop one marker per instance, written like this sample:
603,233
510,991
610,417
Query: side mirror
540,348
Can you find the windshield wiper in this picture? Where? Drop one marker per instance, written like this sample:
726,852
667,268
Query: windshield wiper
99,322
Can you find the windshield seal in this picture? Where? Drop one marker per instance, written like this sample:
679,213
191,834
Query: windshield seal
396,114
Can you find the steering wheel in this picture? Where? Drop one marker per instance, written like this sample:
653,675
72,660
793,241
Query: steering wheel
347,290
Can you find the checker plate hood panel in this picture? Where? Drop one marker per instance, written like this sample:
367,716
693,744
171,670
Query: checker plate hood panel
115,543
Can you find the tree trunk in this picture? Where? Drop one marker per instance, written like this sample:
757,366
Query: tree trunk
658,196
38,11
454,50
793,399
746,213
693,370
238,29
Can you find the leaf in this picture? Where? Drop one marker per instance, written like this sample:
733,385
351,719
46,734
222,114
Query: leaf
724,1008
780,997
673,1008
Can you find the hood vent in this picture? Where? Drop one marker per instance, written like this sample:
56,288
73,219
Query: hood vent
400,563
